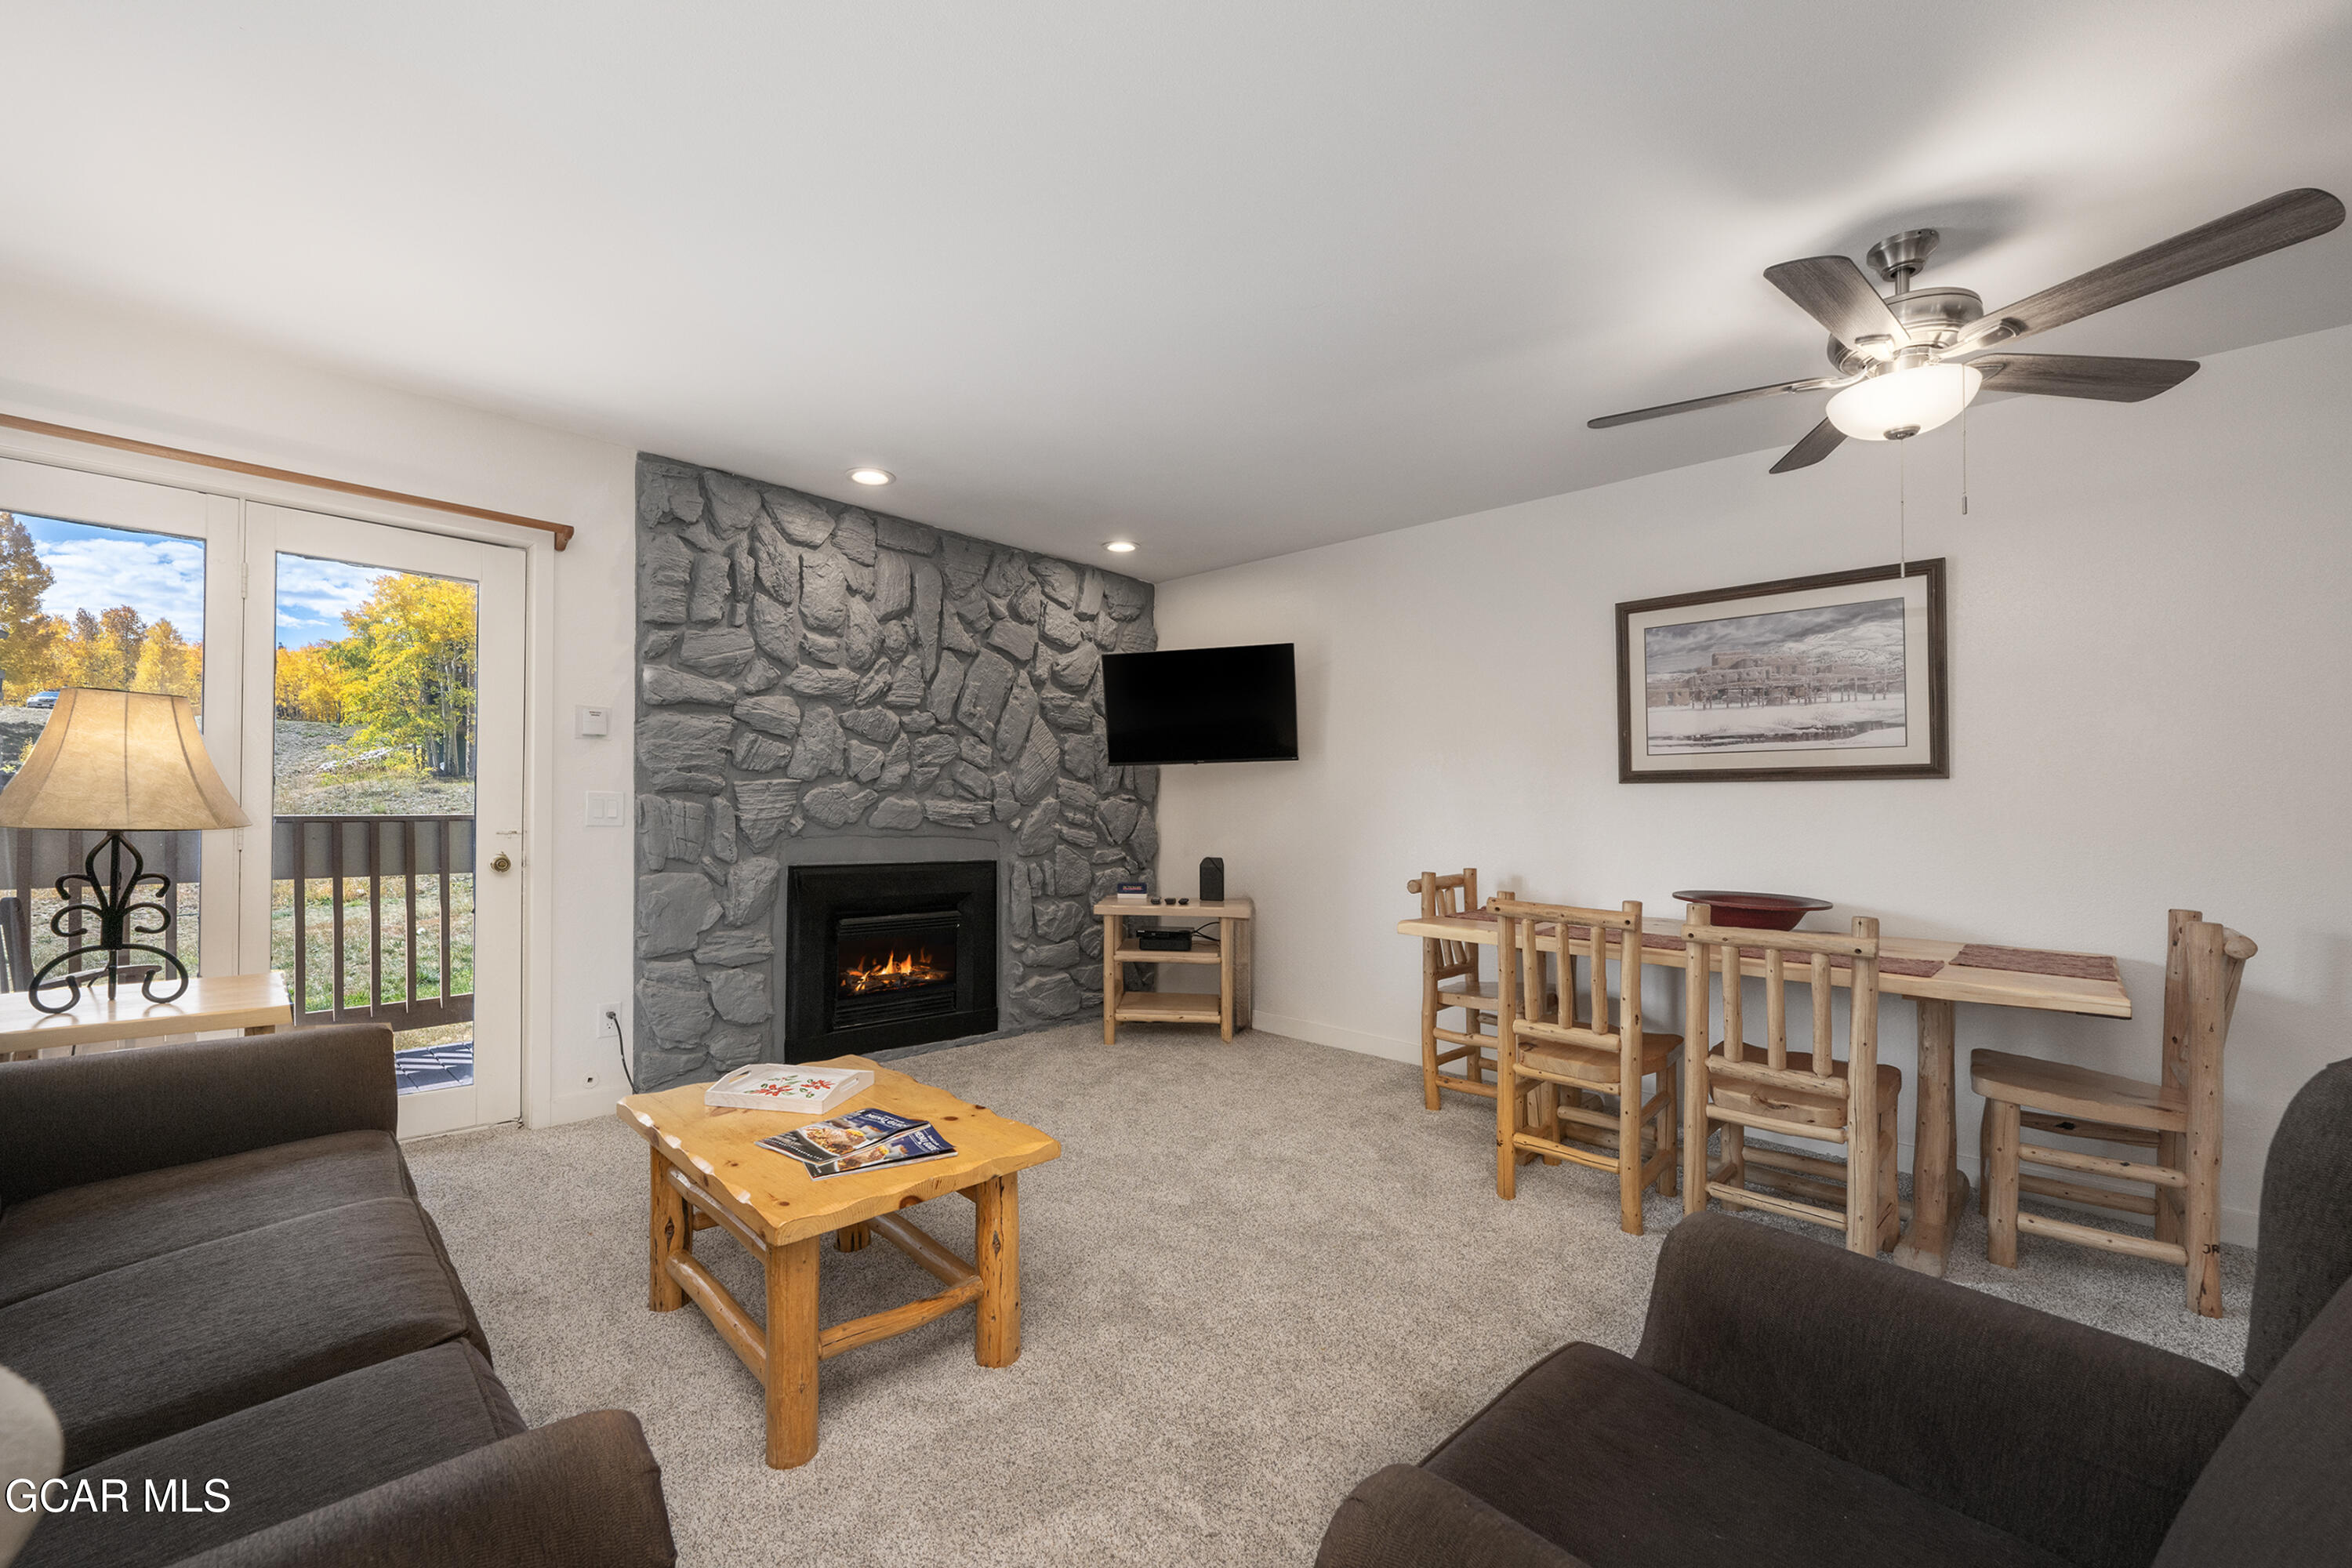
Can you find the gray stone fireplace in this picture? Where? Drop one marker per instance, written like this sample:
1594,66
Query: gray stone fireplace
823,685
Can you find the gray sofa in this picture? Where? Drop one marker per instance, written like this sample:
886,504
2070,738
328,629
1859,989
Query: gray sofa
215,1265
1793,1404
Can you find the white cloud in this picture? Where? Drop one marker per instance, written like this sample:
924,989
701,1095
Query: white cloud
312,596
163,579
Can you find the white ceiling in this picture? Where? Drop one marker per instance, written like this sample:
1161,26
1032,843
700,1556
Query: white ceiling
1228,277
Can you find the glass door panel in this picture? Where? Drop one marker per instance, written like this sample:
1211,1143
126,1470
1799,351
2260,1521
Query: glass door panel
392,868
107,583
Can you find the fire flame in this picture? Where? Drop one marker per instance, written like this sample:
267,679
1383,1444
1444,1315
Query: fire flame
894,970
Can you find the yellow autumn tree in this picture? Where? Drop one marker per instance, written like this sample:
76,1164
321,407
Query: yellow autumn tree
169,663
408,662
28,638
102,649
311,684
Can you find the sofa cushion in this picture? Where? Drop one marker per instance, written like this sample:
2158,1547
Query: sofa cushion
282,1458
77,1232
1627,1468
2275,1494
1404,1517
2303,1253
159,1346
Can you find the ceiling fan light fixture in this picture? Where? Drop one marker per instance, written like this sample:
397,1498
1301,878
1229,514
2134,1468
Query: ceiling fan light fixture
1909,401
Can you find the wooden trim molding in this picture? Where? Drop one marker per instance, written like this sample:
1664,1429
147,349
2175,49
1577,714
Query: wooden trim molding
563,531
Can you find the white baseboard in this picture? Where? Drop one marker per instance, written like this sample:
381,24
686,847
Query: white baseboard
2238,1225
585,1103
1332,1035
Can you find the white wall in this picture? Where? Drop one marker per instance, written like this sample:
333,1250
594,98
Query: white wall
71,360
2149,647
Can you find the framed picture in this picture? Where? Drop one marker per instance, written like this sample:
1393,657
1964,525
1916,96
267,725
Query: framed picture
1839,676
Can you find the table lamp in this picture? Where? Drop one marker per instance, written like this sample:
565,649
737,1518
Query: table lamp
121,761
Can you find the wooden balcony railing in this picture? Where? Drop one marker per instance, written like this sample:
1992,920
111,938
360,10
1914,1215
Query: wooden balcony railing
394,860
416,928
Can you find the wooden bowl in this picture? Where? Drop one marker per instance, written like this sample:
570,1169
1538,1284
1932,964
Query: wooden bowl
1754,911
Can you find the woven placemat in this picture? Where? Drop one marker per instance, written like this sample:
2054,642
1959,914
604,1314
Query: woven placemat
2034,960
1916,968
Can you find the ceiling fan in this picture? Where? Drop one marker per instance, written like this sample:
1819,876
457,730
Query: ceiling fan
1912,361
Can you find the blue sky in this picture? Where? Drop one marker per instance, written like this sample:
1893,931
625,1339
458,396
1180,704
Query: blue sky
163,577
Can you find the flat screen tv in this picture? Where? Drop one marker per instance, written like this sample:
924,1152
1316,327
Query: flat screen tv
1202,705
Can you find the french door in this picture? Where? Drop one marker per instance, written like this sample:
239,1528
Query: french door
360,688
384,746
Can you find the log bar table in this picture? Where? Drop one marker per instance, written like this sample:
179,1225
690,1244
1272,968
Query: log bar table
254,1003
708,1171
1937,1186
1228,1007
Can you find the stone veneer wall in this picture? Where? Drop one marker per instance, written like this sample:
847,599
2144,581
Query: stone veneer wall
820,681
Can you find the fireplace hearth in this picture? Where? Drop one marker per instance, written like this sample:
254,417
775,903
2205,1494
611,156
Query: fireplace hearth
888,956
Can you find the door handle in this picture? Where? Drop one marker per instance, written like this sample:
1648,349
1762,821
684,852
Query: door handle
502,863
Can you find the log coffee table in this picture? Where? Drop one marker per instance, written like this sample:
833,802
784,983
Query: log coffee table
707,1170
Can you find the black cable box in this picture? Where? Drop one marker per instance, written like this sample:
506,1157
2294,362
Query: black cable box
1164,941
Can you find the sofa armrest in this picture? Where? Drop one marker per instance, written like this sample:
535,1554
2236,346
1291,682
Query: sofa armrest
68,1120
2080,1441
579,1493
1404,1517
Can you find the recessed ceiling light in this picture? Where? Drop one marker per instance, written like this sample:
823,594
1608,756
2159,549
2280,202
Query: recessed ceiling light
1120,546
872,476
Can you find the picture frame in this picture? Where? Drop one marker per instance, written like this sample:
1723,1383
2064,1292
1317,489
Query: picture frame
1837,675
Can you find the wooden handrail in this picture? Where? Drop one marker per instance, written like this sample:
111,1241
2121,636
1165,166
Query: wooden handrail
563,531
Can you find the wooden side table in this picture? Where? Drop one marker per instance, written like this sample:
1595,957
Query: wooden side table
1228,1007
254,1003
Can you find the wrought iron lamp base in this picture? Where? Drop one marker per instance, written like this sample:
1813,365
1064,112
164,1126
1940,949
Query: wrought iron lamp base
118,905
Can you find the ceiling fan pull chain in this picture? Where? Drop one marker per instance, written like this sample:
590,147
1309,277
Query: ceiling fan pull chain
1964,462
1903,508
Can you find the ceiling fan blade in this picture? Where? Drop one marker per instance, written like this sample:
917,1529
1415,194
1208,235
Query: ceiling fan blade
1819,443
2288,219
1813,383
2108,379
1835,293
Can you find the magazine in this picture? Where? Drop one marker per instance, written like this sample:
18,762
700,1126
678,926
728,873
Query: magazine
907,1148
822,1142
766,1086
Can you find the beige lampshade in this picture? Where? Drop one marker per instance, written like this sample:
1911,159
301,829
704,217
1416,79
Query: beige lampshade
122,760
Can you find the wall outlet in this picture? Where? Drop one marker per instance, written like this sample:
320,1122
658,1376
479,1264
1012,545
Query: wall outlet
608,1035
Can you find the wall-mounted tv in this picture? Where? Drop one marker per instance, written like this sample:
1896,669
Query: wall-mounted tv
1202,705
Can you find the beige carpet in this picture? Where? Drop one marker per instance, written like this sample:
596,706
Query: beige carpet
1257,1273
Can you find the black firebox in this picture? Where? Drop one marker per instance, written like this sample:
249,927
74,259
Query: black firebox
878,956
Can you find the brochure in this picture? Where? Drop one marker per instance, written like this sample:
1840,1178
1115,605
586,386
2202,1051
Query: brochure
822,1142
907,1148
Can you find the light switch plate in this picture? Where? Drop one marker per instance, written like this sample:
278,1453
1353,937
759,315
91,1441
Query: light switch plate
603,808
588,722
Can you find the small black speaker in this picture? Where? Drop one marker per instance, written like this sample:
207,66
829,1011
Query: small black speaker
1212,880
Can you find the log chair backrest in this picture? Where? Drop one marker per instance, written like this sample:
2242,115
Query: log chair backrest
2201,960
1709,948
1594,935
1442,896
